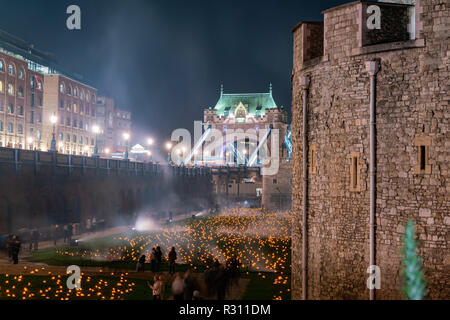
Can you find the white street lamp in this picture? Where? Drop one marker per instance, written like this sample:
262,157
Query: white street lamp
126,136
53,120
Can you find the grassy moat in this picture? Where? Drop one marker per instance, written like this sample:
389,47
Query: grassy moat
260,240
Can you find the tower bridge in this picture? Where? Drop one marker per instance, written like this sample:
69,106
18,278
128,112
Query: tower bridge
248,122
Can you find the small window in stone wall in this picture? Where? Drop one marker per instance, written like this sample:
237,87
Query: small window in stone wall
422,143
355,185
312,159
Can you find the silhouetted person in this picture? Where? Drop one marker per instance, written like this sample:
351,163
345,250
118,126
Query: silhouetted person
172,259
15,249
70,232
178,287
153,260
189,285
55,234
26,240
159,255
88,225
9,245
216,265
35,237
233,268
94,224
66,233
157,287
141,264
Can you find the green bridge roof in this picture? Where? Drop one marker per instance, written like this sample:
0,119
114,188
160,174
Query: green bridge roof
256,103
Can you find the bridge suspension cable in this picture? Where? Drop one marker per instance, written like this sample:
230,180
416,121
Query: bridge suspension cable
254,155
198,145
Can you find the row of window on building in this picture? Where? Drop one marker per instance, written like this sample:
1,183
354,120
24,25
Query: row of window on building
11,70
68,137
35,81
76,109
75,123
75,139
19,110
10,127
75,92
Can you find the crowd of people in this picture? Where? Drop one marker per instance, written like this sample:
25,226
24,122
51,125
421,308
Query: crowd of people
215,283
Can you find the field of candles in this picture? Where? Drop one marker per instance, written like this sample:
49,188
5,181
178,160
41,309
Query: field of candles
259,240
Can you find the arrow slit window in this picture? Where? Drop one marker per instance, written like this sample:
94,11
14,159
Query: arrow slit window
422,144
355,185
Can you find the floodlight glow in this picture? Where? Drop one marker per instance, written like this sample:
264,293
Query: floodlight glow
145,224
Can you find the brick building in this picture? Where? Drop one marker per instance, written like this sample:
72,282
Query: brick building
122,124
113,123
33,89
21,98
105,120
74,105
370,104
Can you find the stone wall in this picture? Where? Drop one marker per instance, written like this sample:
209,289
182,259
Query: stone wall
38,189
412,104
310,37
277,188
393,27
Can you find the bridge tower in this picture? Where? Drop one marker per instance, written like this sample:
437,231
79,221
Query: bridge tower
247,123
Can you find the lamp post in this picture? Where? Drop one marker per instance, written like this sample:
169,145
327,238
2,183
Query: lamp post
53,120
30,141
96,130
150,142
149,154
168,147
126,136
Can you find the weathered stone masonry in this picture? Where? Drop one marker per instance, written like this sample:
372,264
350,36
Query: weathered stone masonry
412,117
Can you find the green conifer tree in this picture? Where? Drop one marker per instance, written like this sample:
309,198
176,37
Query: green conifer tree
415,286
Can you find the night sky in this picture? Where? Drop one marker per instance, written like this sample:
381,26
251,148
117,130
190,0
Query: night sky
165,60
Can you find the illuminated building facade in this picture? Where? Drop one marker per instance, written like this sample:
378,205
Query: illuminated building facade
258,117
74,105
249,112
32,90
21,101
114,122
